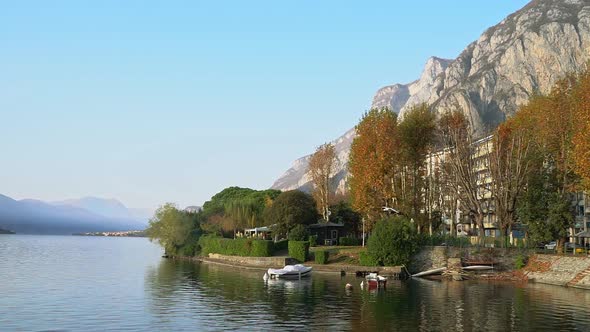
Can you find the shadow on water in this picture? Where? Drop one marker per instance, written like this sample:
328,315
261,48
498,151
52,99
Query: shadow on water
219,297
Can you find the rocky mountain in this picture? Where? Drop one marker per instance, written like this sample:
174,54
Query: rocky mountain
36,217
396,97
524,54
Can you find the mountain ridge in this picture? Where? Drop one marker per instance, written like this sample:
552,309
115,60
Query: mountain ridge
32,216
524,54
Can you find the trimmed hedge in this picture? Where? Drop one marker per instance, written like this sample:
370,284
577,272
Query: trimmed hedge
261,248
313,240
348,241
299,250
365,259
236,247
321,257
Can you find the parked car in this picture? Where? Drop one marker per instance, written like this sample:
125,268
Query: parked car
569,246
551,245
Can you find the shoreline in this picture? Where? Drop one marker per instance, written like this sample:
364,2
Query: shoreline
570,272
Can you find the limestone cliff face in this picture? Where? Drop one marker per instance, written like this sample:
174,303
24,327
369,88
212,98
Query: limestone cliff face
524,54
398,97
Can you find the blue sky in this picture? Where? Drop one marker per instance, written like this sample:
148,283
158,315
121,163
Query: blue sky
150,102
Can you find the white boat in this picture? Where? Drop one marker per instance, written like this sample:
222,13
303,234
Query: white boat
478,267
375,280
290,272
429,272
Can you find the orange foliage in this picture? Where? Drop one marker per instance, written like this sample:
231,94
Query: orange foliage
372,162
581,137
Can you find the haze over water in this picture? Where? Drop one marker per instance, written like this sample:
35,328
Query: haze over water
97,284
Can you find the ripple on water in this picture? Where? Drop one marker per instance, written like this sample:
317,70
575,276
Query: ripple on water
122,284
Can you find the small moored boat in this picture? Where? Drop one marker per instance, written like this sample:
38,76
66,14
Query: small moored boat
290,272
375,280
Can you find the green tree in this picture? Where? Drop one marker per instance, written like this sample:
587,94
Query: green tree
289,209
547,212
298,233
235,207
393,241
343,213
174,229
416,136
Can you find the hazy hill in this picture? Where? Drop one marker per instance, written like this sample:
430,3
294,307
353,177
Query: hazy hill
37,217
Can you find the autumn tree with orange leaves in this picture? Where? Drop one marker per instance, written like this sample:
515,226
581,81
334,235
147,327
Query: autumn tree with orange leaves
581,139
372,164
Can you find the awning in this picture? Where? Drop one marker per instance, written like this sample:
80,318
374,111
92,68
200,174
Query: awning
325,224
583,234
258,229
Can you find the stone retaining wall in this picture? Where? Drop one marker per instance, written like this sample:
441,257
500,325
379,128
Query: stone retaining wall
436,257
275,261
571,271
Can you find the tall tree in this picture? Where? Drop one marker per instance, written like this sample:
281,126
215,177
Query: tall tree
416,137
509,165
581,96
465,159
550,122
322,165
372,164
242,213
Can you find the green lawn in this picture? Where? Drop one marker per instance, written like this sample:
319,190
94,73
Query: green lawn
348,255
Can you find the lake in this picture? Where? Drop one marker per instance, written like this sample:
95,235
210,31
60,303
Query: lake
74,283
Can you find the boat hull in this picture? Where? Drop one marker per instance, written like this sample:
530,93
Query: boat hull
290,272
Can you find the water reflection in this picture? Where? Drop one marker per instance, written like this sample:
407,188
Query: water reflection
217,297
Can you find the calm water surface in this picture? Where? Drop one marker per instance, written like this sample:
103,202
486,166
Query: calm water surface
95,284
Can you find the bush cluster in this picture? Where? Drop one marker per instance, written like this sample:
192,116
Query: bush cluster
299,250
298,233
321,256
365,259
393,241
236,247
348,241
520,261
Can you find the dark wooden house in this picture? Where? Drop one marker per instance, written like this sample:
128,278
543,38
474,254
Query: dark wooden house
328,233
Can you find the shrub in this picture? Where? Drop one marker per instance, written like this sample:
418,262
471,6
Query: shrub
262,248
321,256
281,245
298,233
299,250
236,247
348,241
393,241
365,259
520,262
313,240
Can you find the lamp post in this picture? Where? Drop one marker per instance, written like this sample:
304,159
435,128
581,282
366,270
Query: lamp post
363,231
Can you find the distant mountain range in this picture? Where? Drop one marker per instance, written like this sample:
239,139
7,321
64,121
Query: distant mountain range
523,55
89,214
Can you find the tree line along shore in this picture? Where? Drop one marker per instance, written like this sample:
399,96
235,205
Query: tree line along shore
424,179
